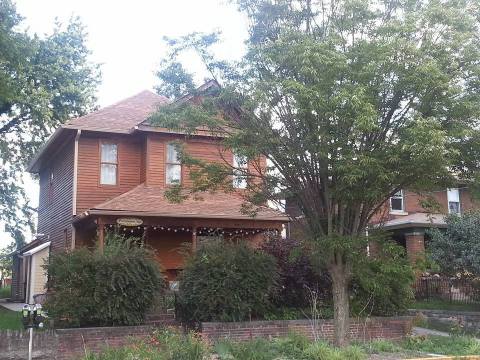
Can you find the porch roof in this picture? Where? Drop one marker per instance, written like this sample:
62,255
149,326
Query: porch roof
415,220
150,201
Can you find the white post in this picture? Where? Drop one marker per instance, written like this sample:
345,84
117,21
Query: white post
30,344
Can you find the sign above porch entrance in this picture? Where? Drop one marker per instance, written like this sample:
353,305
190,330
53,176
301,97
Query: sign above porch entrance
129,221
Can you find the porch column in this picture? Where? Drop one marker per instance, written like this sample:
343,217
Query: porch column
100,233
194,239
415,243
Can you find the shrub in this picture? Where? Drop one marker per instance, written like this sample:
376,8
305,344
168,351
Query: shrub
113,287
226,282
296,274
382,285
457,249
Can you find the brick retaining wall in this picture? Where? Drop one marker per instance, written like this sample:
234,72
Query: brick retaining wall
63,344
360,329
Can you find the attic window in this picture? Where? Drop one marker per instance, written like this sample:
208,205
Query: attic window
108,164
173,165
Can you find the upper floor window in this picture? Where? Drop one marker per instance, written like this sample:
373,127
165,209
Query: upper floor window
453,196
108,164
173,165
396,202
240,164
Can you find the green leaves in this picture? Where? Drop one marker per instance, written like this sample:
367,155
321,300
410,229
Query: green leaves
116,287
226,282
457,249
43,82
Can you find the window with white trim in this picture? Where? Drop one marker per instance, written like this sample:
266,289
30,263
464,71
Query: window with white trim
240,164
397,202
173,165
108,164
453,196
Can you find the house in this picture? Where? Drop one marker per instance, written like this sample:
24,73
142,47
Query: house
408,221
110,169
404,217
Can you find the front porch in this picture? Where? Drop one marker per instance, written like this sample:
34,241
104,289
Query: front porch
172,238
411,231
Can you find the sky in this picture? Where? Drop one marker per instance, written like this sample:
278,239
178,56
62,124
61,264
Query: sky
126,38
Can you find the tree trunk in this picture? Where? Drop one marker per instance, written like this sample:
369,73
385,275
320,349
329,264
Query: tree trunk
341,306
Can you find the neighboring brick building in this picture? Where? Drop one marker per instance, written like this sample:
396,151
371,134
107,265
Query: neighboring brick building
405,218
109,170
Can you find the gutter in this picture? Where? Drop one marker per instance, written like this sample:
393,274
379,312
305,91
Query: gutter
283,219
75,173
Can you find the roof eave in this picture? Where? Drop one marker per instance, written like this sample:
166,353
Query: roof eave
407,225
33,164
283,219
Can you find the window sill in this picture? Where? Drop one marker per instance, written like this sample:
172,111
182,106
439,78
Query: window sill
398,212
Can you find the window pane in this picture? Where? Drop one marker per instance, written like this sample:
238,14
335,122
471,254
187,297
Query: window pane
398,194
108,174
396,204
239,182
453,207
240,161
172,154
453,195
174,174
109,153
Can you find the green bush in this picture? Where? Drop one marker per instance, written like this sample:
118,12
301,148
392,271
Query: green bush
113,287
226,282
5,292
382,285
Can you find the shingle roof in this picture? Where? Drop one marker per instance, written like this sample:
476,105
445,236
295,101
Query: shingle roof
150,201
414,220
120,117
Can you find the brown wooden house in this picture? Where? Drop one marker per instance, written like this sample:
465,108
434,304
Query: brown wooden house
110,168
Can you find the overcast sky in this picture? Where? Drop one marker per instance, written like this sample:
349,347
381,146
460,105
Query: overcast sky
126,38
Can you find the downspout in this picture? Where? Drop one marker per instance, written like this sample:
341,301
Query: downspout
75,175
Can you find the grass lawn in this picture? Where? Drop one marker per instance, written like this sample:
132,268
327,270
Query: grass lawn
444,305
5,292
10,320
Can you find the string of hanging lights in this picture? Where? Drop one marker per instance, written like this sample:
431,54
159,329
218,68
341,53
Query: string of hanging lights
200,230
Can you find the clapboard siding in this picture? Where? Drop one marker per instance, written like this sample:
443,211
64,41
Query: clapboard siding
89,190
140,160
204,149
55,213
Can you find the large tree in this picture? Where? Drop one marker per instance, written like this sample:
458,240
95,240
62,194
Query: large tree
43,82
350,101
